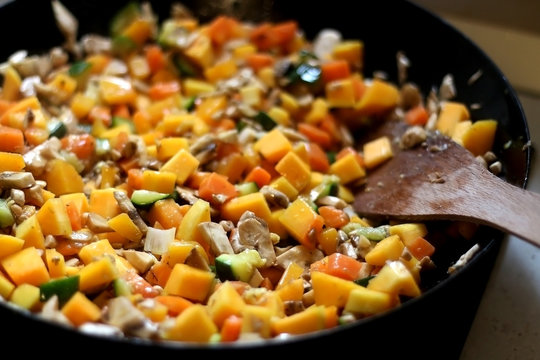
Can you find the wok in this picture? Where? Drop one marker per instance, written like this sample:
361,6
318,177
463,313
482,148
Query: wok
434,325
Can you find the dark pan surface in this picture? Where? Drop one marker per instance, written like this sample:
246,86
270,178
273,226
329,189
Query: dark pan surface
433,326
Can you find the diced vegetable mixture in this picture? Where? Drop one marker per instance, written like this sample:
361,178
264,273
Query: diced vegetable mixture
193,182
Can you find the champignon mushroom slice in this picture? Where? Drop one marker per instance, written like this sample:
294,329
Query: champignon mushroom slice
334,201
237,246
127,206
215,235
274,196
292,307
299,254
95,44
229,137
256,279
122,314
187,195
51,312
347,248
196,260
16,180
36,159
96,223
142,261
67,23
254,231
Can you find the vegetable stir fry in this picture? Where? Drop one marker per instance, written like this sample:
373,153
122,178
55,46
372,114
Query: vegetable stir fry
193,182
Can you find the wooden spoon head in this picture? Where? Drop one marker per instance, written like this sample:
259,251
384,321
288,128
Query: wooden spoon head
422,183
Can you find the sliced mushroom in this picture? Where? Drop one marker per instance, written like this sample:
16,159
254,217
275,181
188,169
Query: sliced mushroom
253,231
96,223
37,158
274,196
196,260
127,206
122,314
334,201
256,278
141,261
67,23
51,312
16,180
215,235
187,195
300,255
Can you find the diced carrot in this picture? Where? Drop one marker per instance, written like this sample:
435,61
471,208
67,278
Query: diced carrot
259,175
284,32
82,145
315,135
155,58
121,110
318,161
420,247
194,181
329,125
333,217
262,37
134,179
226,124
35,135
331,317
74,216
334,70
175,304
338,265
11,140
418,115
216,184
142,122
232,326
162,90
5,105
258,61
139,285
222,29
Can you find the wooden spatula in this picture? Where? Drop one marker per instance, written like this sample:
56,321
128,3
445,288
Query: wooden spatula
441,180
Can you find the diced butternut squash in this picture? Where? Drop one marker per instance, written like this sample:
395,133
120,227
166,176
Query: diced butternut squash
178,251
26,266
450,115
79,310
351,51
30,231
302,222
183,164
460,129
408,232
96,275
200,52
123,225
221,70
366,302
255,202
11,161
273,146
194,87
377,151
53,218
62,178
318,111
292,272
330,290
329,240
159,181
395,279
284,185
168,147
224,302
189,282
379,97
103,202
389,248
348,169
188,229
295,170
192,325
167,213
478,139
6,287
79,200
292,290
310,320
257,319
116,90
25,296
55,263
340,93
9,245
11,85
95,250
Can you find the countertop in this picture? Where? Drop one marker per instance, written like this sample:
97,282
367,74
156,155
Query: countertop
507,323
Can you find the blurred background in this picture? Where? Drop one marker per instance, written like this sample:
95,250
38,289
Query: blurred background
507,324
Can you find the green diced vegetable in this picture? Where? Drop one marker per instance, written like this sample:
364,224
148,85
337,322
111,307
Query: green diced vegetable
6,217
64,288
118,120
371,233
238,266
121,287
189,103
329,186
184,66
364,281
142,198
57,129
103,146
265,121
78,68
247,188
123,45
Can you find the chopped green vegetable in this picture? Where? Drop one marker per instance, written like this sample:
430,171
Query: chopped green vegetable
64,288
124,17
142,198
238,266
189,103
364,281
184,66
78,68
121,287
6,217
103,146
122,45
57,128
265,121
247,188
371,233
118,120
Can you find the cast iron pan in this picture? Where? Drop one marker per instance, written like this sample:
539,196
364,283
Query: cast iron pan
433,326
